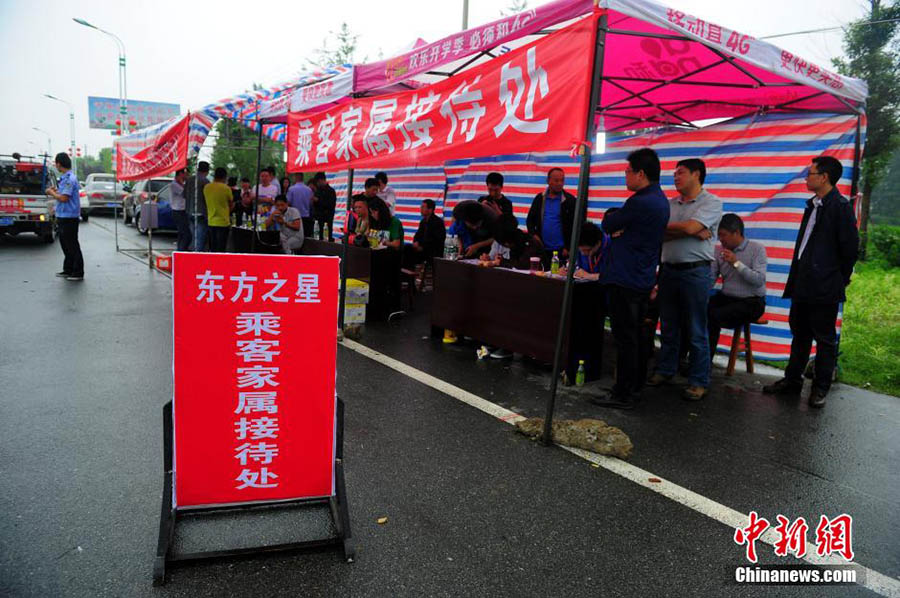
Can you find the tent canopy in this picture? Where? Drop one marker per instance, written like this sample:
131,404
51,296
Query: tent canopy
661,66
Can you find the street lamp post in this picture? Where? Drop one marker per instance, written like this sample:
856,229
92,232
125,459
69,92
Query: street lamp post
49,141
123,92
71,131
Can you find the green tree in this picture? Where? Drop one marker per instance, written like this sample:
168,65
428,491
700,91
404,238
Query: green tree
105,158
89,165
343,53
235,150
886,196
873,54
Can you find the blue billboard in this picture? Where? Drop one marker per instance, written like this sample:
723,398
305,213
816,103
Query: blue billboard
103,112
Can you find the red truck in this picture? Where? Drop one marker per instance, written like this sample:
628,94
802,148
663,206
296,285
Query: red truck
24,206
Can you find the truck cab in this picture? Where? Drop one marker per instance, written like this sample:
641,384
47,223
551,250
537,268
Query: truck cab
24,204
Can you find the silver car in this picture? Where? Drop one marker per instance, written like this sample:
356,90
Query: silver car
102,191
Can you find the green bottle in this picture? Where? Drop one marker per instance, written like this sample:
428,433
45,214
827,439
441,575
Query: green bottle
579,375
554,263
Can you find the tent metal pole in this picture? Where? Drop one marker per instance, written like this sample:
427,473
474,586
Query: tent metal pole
857,145
344,243
256,195
584,177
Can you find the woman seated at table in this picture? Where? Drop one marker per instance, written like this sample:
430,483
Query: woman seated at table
522,247
287,221
593,252
356,225
387,226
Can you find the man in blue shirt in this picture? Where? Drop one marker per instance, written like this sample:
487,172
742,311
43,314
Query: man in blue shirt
636,232
68,211
552,216
300,196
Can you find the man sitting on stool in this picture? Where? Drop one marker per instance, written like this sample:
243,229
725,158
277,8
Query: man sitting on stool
742,265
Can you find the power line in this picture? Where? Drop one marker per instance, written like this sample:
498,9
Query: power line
824,29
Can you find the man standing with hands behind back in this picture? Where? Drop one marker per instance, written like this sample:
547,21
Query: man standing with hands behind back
68,211
825,251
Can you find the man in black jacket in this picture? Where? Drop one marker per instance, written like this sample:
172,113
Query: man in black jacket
552,216
824,254
495,199
324,201
428,241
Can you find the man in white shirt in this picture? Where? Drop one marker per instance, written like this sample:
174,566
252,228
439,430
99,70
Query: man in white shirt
269,189
286,220
742,265
385,192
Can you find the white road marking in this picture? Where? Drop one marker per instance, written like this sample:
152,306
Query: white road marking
875,581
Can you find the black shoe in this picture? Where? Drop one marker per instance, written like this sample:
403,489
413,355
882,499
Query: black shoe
614,401
783,387
62,275
817,397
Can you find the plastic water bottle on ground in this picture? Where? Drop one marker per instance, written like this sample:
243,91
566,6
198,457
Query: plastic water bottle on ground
579,375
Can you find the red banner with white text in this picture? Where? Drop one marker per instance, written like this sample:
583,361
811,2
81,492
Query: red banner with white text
154,153
534,98
255,353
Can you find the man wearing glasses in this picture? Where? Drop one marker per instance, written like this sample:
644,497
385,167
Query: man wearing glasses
824,254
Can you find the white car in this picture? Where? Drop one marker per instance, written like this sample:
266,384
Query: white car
102,192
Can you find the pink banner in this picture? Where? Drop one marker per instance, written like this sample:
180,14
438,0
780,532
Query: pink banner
534,98
430,56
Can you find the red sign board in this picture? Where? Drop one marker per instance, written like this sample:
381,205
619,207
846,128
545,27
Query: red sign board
254,363
534,98
163,153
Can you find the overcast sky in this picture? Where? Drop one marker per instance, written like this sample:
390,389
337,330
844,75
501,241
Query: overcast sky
196,52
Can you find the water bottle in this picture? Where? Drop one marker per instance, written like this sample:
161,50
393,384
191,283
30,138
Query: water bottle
554,263
316,231
448,247
579,375
327,234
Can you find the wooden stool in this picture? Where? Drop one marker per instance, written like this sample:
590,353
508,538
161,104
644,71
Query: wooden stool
426,272
745,344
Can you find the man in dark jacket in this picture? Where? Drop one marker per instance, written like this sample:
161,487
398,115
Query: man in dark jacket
825,251
196,209
479,223
522,247
495,198
324,201
636,231
552,216
428,241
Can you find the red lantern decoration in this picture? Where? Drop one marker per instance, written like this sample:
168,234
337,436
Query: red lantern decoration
118,131
118,122
132,122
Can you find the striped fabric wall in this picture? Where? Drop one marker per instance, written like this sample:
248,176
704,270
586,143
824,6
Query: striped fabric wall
755,165
411,185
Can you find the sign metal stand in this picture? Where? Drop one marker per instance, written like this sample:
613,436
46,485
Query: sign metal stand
170,514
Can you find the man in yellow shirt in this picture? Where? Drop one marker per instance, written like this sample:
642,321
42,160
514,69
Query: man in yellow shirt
219,199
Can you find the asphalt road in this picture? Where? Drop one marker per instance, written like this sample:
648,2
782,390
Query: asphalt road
473,508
